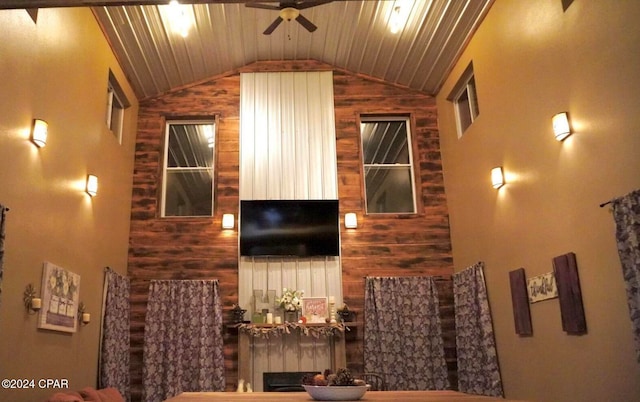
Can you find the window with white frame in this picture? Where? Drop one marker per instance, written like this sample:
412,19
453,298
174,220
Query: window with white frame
116,104
465,100
388,165
188,169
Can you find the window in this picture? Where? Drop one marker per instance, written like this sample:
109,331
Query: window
465,100
116,104
188,169
388,166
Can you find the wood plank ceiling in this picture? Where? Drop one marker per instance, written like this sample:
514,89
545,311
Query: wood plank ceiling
351,35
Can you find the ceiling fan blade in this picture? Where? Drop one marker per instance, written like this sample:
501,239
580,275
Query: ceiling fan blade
308,4
273,26
309,26
263,6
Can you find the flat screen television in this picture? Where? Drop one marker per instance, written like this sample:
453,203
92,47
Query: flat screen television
301,228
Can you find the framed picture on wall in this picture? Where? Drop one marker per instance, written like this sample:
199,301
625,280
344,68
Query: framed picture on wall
315,309
60,293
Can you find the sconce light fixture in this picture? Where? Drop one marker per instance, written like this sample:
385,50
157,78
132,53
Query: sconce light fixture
497,177
92,185
39,132
83,317
350,220
31,302
228,221
561,126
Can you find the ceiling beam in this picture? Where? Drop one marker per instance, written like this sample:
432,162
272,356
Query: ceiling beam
16,4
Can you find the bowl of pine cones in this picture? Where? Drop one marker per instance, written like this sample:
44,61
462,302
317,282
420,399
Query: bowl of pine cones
338,386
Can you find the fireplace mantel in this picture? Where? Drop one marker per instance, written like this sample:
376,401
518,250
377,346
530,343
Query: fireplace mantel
248,334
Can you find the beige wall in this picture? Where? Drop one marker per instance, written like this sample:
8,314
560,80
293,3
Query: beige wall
531,61
57,70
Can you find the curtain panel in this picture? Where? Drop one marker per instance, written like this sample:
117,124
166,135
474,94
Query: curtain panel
183,334
3,214
626,213
114,346
402,333
478,369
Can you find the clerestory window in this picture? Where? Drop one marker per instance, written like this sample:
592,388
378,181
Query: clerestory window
465,100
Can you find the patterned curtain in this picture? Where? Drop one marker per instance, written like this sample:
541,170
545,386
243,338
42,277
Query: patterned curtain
402,333
114,346
183,350
3,213
626,212
478,369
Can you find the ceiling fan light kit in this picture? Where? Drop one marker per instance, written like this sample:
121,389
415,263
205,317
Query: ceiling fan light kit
289,13
290,10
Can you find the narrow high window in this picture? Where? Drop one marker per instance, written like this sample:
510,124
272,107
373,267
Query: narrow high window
188,169
388,165
116,104
465,100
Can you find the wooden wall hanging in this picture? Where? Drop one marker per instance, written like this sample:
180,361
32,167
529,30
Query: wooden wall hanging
565,269
520,301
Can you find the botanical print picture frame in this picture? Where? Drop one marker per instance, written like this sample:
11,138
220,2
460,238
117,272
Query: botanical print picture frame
315,309
60,294
542,287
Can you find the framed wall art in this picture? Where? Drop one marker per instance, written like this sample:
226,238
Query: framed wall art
542,287
60,294
315,309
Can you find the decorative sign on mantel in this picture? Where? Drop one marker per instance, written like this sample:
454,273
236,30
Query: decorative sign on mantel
315,309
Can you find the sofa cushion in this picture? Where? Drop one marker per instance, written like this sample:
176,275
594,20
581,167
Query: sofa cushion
110,395
65,397
90,394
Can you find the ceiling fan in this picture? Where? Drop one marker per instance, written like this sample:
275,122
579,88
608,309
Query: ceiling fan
290,10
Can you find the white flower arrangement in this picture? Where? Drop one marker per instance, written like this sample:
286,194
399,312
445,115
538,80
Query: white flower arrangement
291,300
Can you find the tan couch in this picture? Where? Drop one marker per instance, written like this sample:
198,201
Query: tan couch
88,394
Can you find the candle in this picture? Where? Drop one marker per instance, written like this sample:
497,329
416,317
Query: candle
86,318
36,303
269,318
332,299
278,319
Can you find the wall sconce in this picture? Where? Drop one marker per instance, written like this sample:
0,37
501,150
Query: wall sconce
39,132
561,126
32,303
350,220
228,221
83,317
92,185
497,177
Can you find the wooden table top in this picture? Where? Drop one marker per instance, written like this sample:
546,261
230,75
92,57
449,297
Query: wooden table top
371,396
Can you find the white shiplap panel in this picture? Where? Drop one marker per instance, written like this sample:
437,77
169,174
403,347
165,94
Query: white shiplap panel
304,276
316,154
287,125
273,133
261,178
328,138
288,143
301,123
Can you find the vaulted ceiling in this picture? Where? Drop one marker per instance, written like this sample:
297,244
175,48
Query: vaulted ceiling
226,35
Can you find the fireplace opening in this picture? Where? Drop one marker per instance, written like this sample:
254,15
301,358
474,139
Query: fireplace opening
285,381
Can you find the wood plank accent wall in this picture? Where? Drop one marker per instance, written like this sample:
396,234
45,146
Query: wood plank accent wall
196,248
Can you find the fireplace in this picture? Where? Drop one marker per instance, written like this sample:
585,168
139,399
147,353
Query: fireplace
285,381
